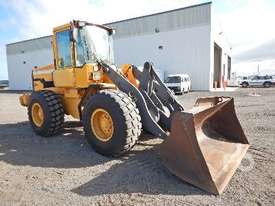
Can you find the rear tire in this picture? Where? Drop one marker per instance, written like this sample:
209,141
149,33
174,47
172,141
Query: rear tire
125,121
51,121
267,84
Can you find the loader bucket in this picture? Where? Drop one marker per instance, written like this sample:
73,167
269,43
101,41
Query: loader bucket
206,144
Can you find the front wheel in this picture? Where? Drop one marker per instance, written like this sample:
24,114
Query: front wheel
112,123
245,84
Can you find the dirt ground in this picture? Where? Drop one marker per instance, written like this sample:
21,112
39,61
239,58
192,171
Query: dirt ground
64,170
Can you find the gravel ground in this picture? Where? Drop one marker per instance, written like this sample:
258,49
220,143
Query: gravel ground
64,170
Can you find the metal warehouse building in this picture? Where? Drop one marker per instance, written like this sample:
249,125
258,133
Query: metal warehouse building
184,40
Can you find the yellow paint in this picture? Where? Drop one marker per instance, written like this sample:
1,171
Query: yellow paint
83,76
57,90
45,73
64,78
24,99
71,99
127,72
62,27
43,68
71,93
37,114
102,124
106,79
45,76
38,85
71,106
54,45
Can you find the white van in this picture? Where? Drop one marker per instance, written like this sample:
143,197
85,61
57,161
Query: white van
178,83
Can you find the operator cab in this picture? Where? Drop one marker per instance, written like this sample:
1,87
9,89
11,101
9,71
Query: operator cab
78,47
81,42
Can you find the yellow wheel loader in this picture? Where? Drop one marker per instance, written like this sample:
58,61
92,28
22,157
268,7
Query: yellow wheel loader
202,146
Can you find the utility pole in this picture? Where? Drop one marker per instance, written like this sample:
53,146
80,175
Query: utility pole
258,69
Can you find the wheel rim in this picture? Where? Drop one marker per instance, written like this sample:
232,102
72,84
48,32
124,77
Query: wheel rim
102,125
37,114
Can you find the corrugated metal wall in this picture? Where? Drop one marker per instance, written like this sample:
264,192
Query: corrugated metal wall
29,45
183,51
23,56
162,22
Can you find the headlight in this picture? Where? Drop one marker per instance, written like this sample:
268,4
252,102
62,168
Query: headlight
97,75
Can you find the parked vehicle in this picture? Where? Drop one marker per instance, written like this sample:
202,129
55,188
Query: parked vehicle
273,80
178,83
4,84
257,81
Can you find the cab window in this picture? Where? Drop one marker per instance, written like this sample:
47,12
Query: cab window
267,77
255,78
173,79
81,55
80,60
64,49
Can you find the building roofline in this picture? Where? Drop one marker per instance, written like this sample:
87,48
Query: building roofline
163,12
42,37
125,20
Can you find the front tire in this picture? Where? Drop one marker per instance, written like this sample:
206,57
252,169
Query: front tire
46,113
245,84
112,123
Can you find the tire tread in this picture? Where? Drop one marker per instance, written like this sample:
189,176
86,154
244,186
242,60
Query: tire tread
56,113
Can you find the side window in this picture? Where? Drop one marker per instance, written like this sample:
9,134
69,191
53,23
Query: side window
255,78
80,52
64,49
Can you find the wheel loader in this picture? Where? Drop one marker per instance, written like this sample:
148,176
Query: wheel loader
202,146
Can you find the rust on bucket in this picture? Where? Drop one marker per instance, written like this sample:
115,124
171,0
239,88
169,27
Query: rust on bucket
206,144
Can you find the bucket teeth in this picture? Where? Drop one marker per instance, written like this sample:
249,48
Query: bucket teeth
206,144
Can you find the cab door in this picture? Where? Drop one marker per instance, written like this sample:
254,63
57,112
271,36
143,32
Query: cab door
255,81
64,75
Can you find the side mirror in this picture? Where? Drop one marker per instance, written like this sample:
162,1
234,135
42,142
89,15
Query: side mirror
112,32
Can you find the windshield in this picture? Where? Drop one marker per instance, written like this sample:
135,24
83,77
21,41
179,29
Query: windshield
94,43
173,79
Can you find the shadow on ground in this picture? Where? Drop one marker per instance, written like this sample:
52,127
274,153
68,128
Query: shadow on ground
19,145
140,171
